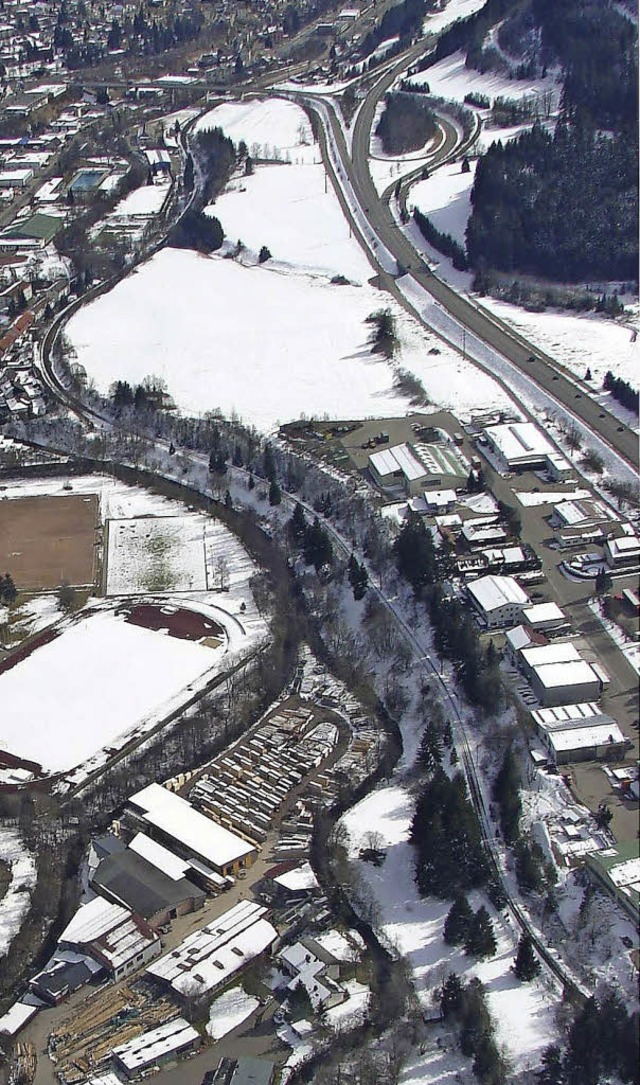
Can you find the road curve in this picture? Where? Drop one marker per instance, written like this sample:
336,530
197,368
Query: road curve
544,370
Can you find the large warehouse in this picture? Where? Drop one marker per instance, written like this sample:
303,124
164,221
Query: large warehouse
558,674
210,957
580,732
498,600
522,446
176,823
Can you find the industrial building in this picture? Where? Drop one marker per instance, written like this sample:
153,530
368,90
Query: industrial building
545,618
618,871
130,878
522,446
115,937
558,674
498,600
210,957
580,732
622,553
398,467
156,1046
213,851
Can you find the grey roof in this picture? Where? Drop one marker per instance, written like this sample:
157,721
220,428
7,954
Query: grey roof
250,1071
132,880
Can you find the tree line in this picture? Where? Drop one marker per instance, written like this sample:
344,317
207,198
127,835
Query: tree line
622,391
455,633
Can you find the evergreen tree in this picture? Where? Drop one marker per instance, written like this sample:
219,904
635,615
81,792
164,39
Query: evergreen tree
480,941
297,526
275,493
526,964
458,922
318,550
451,995
415,553
430,752
552,1070
506,792
8,590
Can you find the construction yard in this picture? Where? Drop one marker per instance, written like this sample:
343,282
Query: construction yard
47,540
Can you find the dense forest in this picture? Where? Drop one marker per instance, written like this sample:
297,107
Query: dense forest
564,205
406,124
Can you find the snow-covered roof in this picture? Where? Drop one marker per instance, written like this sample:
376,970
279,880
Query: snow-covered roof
16,1018
542,613
564,652
209,957
519,441
439,498
578,738
565,673
518,638
160,857
92,920
493,592
300,878
180,820
563,715
156,1044
399,458
624,546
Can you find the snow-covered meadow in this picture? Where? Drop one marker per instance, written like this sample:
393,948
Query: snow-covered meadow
92,685
305,349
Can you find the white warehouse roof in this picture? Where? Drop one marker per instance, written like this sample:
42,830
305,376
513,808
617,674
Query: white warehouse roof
210,956
160,857
566,673
519,441
577,738
146,1049
399,458
179,819
543,612
92,920
565,652
493,592
566,715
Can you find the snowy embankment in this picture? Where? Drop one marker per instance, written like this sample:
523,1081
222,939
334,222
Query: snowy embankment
279,340
15,903
576,341
412,926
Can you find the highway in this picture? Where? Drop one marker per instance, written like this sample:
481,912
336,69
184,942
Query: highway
537,366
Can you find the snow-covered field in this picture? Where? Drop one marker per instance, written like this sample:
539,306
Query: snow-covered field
16,901
156,554
412,926
445,198
91,685
146,200
305,349
450,79
102,678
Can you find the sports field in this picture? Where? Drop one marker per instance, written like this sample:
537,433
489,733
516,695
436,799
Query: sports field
45,540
